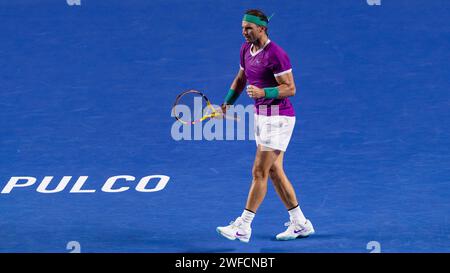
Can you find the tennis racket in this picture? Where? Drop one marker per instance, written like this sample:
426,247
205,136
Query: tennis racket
193,106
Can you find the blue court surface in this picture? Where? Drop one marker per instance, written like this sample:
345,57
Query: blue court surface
86,91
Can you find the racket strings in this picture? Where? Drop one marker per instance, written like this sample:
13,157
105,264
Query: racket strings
192,107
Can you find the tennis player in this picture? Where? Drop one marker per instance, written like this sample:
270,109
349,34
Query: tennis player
268,70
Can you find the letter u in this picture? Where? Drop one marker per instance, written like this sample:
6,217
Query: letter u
46,181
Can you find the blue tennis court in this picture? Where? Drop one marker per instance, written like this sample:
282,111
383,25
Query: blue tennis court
86,91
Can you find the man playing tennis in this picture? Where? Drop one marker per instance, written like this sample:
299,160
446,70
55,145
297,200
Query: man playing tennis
268,70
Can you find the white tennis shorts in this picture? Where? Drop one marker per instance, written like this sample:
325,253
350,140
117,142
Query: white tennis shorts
273,132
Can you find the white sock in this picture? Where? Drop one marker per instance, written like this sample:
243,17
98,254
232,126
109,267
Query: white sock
296,215
247,216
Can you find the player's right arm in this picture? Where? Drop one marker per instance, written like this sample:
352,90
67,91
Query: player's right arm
239,82
236,89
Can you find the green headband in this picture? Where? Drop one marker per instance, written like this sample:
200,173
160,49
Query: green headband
255,20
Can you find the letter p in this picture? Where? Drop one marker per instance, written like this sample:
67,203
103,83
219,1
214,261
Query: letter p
14,183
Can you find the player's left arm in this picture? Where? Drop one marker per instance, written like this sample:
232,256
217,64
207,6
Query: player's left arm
285,88
286,85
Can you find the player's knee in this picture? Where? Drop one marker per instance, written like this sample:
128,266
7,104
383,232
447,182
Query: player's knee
260,173
275,170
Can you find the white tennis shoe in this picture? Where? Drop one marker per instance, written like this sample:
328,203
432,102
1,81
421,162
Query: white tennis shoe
237,229
296,230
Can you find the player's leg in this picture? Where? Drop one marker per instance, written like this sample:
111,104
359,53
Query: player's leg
282,184
241,227
264,159
298,226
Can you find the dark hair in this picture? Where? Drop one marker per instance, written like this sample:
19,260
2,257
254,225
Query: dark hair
258,13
